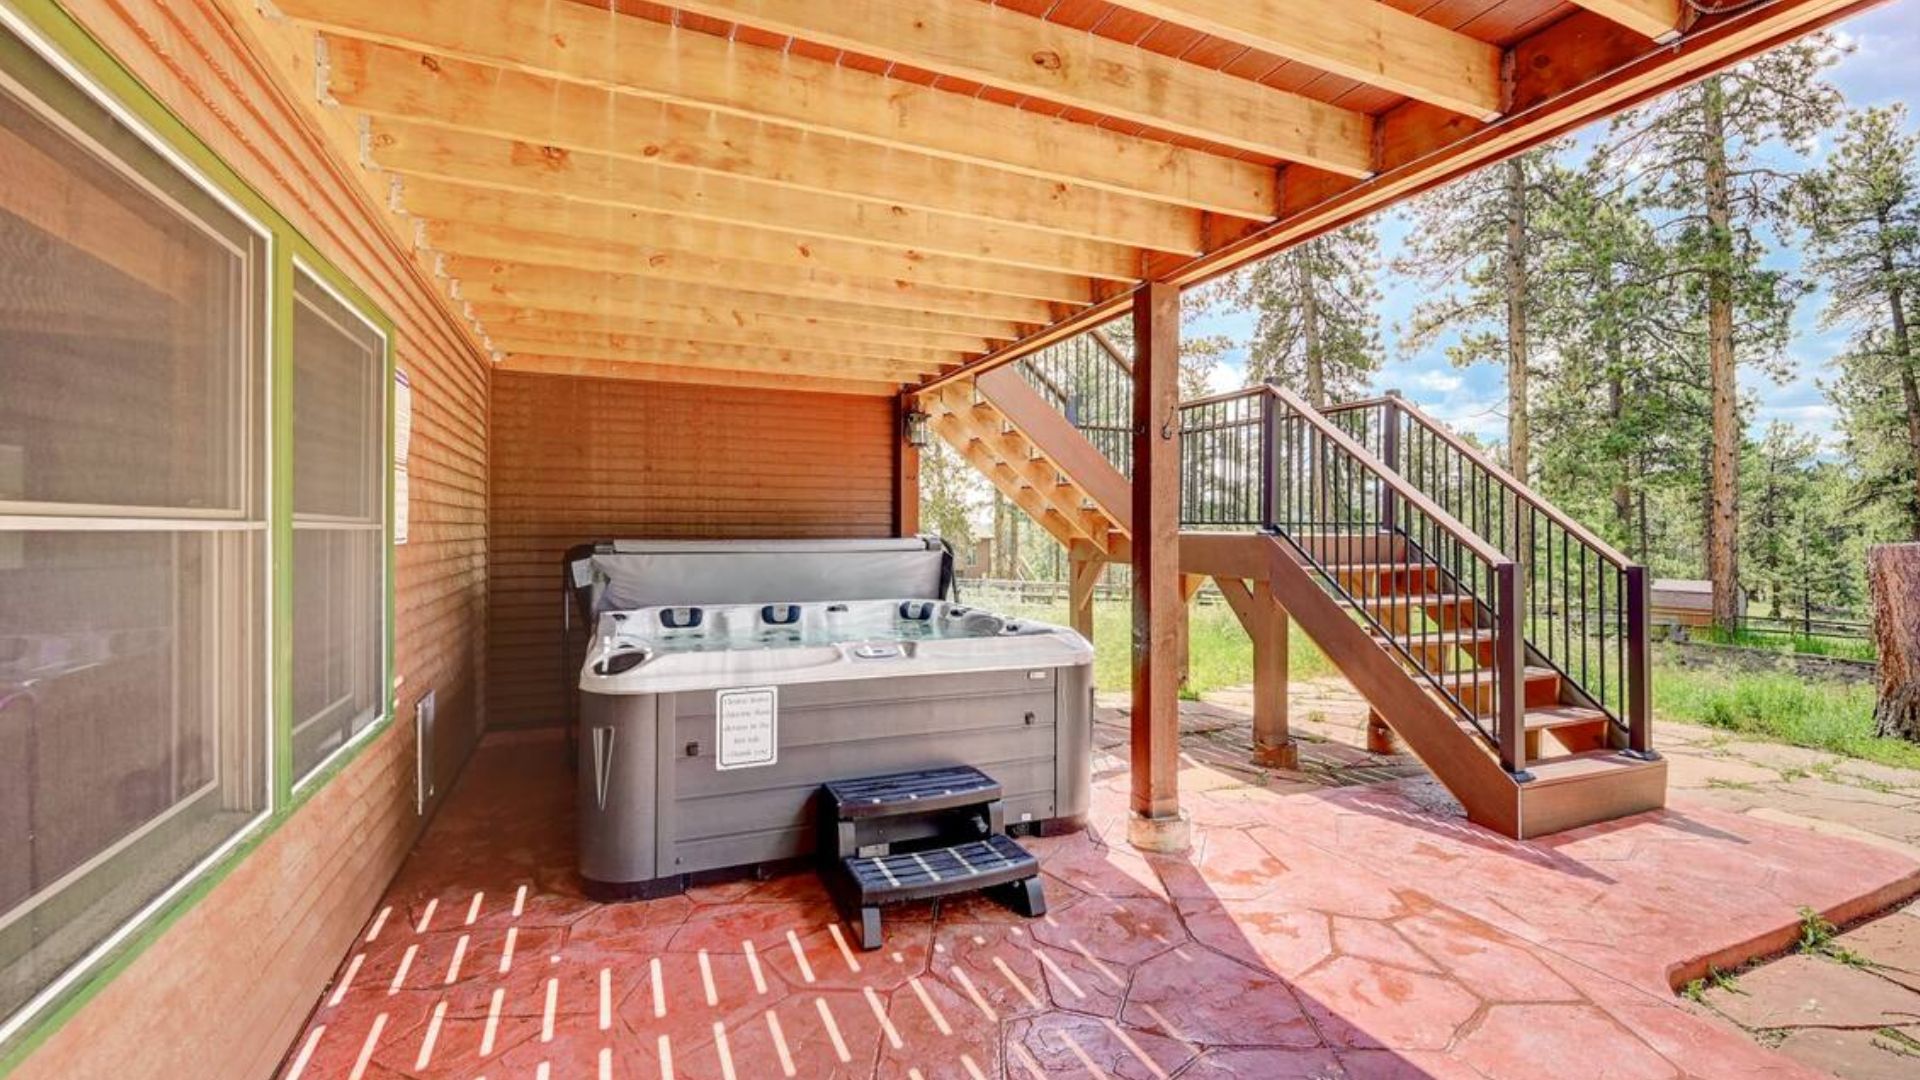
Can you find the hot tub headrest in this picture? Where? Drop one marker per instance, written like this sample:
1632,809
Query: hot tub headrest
617,575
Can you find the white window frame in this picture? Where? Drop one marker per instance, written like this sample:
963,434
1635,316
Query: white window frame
36,1007
383,693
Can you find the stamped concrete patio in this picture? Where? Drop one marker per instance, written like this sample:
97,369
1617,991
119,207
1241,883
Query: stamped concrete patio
1320,927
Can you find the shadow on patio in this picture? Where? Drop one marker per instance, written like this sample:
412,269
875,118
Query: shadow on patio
1315,930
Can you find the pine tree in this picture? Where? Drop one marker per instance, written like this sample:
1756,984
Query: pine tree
1862,215
1698,155
1317,324
1476,243
1619,414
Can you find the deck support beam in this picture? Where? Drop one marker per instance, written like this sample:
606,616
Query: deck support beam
1156,823
1083,574
1265,622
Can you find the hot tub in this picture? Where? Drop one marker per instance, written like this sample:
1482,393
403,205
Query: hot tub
706,730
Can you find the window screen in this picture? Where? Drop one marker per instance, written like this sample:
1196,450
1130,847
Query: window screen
132,525
339,514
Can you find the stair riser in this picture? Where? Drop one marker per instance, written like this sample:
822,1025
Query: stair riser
1550,808
1392,581
1328,550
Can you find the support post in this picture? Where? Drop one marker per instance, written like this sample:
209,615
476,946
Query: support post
906,470
1265,622
1083,573
1156,823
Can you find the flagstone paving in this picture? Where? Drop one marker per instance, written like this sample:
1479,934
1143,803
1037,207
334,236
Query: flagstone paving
1339,921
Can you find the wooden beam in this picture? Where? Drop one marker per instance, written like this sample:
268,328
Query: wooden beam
481,276
1084,567
1065,65
437,201
730,250
691,324
1362,40
1265,622
571,118
1658,19
1578,69
701,354
454,174
649,372
738,304
602,48
1157,603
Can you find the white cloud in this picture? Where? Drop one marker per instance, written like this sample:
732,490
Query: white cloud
1440,382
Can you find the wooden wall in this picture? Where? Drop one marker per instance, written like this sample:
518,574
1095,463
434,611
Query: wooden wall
576,460
228,986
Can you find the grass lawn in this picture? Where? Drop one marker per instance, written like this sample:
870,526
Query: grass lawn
1844,648
1833,716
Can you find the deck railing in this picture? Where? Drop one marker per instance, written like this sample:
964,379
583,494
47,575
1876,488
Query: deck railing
1262,457
1586,603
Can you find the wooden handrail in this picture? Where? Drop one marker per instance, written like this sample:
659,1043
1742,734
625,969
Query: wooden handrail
1416,498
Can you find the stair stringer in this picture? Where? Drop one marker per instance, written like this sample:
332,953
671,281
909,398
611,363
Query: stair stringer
1429,729
1063,444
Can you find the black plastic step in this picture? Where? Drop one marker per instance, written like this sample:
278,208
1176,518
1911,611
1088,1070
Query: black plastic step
997,863
942,871
922,792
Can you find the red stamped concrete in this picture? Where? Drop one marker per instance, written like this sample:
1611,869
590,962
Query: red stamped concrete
1350,932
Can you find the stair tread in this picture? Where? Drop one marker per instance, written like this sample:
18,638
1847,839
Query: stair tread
940,871
1377,567
1559,716
1411,599
1587,765
1431,638
1474,676
918,792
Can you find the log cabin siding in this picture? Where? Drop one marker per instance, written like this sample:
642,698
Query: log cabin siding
576,460
241,969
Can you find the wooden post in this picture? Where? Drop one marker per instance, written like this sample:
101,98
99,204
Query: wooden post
1893,577
1083,573
1190,585
906,471
1265,622
1156,823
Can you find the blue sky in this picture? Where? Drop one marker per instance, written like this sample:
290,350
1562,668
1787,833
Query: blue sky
1880,70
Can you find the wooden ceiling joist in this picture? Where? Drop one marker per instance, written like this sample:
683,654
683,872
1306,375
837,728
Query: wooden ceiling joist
706,354
621,53
455,175
583,367
692,325
1660,20
1363,40
763,253
383,81
741,304
996,47
480,275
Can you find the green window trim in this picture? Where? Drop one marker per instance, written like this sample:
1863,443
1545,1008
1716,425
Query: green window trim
46,28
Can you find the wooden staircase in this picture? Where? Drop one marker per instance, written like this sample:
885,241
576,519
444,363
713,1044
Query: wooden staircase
1519,682
1035,457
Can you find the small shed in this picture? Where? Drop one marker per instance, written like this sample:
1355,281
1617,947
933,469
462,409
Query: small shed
1687,602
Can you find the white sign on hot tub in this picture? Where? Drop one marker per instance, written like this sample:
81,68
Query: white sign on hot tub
748,727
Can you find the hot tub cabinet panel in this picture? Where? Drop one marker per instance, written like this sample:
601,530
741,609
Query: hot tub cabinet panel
655,807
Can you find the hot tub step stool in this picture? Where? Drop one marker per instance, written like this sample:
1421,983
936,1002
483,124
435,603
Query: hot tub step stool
970,851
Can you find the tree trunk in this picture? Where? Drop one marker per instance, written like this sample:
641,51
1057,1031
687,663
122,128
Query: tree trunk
1723,483
1316,365
1519,449
1893,577
1909,388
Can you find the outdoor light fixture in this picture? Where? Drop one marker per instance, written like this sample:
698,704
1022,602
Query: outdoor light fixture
915,429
